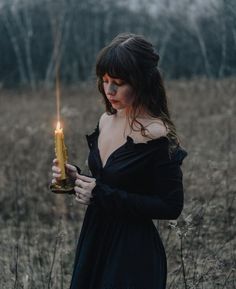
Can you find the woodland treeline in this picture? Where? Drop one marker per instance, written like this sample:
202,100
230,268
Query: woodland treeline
192,39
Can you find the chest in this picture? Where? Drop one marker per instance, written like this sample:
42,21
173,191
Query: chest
129,167
112,139
108,142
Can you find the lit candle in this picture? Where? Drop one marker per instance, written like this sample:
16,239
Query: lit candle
60,150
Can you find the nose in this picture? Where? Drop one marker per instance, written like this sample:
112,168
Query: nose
111,89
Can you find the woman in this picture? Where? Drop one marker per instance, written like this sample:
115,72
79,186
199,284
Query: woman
135,158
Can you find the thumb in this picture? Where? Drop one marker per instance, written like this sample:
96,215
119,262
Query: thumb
71,168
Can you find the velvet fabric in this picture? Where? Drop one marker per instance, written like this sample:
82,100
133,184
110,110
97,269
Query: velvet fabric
119,246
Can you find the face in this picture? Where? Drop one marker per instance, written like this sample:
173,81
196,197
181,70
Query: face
118,92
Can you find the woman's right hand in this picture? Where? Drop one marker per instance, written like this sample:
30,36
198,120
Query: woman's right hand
71,172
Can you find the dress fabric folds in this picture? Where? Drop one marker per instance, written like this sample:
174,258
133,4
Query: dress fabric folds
119,246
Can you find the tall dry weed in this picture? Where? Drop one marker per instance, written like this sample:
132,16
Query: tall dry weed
39,230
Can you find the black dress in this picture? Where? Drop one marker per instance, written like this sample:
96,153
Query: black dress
119,246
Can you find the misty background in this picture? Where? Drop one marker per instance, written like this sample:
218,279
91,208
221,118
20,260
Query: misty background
193,38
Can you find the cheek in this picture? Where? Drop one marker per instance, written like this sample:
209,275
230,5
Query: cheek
104,87
129,96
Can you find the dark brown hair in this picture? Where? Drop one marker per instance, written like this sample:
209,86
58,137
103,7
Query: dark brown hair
133,59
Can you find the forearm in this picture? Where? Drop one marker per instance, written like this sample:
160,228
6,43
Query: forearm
158,205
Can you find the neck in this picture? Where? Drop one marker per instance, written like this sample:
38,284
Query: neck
124,113
121,113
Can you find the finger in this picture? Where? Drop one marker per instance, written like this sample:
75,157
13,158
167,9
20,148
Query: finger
87,199
54,181
77,197
78,182
71,168
81,183
82,193
56,169
81,201
79,190
55,161
80,197
85,178
55,175
83,196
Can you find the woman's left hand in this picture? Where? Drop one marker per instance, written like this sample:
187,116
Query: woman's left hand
83,188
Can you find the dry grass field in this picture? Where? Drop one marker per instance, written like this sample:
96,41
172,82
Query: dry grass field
39,230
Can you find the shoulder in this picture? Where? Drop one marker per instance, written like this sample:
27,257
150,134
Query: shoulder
156,128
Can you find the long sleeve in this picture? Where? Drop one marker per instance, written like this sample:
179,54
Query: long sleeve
165,202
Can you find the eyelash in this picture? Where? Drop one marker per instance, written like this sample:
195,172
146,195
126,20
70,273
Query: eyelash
118,84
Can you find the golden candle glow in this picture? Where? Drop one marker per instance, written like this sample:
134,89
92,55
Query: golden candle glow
60,150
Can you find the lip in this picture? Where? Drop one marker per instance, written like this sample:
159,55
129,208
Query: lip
113,101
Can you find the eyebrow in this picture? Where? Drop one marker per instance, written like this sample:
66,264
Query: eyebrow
116,78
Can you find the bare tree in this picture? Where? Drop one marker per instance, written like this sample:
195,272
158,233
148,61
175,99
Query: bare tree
10,27
25,30
60,24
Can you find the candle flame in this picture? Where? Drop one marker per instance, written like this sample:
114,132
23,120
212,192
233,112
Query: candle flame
58,125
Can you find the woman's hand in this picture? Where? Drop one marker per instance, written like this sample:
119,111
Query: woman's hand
71,172
83,188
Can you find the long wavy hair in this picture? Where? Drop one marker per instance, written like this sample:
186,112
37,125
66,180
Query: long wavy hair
133,59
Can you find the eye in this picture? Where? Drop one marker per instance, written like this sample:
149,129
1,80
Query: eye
119,82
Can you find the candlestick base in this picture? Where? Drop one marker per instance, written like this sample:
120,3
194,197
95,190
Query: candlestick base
62,187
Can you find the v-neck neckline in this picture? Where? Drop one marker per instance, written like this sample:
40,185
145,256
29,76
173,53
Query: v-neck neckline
92,139
128,140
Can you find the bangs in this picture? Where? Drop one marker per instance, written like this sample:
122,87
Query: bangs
115,62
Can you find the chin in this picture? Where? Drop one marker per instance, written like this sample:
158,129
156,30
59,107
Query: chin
117,105
119,108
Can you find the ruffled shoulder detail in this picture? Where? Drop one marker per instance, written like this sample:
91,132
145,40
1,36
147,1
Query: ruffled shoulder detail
178,155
